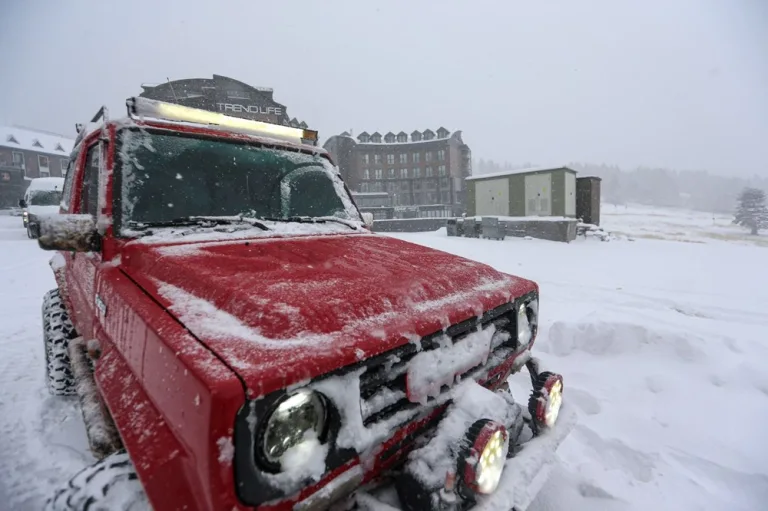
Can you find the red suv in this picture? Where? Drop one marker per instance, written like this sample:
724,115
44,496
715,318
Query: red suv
239,339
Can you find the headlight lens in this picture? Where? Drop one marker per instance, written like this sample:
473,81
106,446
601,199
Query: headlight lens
492,461
481,462
524,326
546,400
296,415
554,403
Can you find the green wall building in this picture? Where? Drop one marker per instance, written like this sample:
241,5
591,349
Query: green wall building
547,191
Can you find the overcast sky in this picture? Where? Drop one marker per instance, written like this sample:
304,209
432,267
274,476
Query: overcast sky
674,83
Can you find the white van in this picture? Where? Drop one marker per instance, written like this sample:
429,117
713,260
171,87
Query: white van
42,197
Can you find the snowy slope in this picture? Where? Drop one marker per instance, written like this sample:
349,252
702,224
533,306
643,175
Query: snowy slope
662,344
676,225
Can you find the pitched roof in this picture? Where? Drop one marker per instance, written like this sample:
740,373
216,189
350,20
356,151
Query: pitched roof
33,140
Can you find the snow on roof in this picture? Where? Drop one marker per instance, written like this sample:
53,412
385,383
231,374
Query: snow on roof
34,140
386,144
519,171
46,183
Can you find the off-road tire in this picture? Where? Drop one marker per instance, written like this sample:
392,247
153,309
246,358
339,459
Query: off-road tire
110,484
30,233
57,332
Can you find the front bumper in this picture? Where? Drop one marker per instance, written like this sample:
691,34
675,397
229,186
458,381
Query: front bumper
525,474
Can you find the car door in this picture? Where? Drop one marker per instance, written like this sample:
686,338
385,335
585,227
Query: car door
82,275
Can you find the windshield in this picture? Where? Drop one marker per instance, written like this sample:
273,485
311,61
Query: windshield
44,198
167,176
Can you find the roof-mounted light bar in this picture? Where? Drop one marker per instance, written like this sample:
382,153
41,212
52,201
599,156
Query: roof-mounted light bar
142,107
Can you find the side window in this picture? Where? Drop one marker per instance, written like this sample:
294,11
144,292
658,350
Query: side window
69,177
89,199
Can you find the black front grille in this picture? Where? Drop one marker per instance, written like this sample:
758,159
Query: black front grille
383,384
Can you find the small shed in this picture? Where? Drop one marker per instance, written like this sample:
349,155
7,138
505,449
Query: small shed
542,191
588,199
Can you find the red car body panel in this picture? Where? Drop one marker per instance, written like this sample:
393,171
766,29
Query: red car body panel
174,402
302,307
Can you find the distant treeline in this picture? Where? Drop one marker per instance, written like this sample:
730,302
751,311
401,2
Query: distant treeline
697,190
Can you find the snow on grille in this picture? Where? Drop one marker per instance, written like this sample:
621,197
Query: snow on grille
373,400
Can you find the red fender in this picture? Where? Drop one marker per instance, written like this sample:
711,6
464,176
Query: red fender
173,402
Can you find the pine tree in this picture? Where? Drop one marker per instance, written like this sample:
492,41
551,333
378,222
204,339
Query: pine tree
751,211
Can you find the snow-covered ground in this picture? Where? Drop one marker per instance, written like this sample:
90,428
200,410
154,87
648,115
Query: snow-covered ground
662,344
676,225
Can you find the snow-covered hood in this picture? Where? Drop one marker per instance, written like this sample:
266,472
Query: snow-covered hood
42,210
281,311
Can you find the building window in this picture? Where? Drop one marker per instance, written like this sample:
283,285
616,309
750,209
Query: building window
364,187
441,170
416,157
63,164
377,158
366,174
403,158
377,173
391,173
391,159
366,159
18,159
429,171
441,154
428,156
404,173
417,173
42,165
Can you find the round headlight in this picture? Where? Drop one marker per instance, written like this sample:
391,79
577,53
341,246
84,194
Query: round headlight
294,416
546,400
482,462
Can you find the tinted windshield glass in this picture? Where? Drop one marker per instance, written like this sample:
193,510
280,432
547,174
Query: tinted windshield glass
167,176
45,198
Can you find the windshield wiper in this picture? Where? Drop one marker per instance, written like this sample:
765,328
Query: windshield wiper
311,220
202,221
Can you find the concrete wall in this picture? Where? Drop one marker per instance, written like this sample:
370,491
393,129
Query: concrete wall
409,225
564,230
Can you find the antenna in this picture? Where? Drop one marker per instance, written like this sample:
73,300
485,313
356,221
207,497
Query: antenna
173,91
